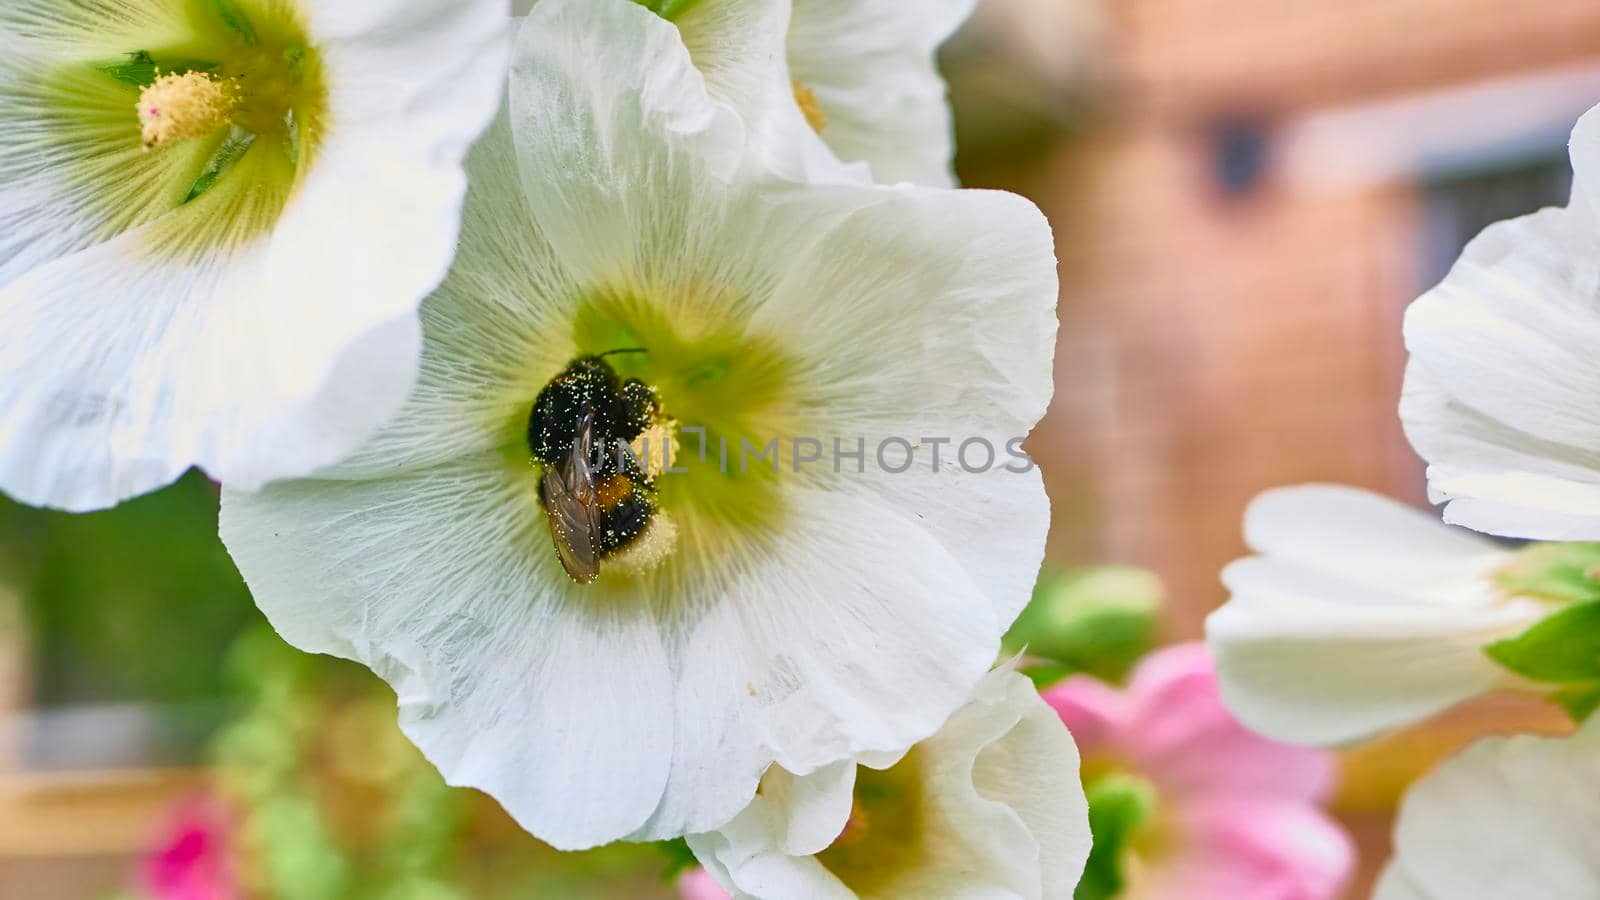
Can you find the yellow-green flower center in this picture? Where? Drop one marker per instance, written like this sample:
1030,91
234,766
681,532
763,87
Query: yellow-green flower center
730,397
884,837
207,121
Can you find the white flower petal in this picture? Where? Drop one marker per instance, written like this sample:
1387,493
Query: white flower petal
1498,390
871,65
1508,817
1369,540
741,47
859,634
211,361
1001,814
510,678
959,290
815,806
1301,660
1385,626
127,359
1494,478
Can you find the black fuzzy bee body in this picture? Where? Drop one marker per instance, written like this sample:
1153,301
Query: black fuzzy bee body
622,409
597,497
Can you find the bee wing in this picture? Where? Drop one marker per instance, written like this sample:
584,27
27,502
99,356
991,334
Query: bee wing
573,506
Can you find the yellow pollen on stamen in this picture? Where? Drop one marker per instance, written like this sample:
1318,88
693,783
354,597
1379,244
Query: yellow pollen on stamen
179,107
650,549
807,98
657,446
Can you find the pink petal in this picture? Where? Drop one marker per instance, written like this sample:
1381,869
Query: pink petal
1185,739
1252,850
194,861
1095,713
697,884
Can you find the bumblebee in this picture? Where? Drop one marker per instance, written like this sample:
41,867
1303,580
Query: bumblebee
600,501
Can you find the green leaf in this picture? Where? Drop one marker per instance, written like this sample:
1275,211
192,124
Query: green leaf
1561,649
140,69
1099,621
1044,674
1119,806
231,151
131,604
1563,573
667,9
1580,700
236,20
680,858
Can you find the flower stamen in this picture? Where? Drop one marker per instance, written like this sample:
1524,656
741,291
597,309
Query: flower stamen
179,107
810,107
656,446
652,548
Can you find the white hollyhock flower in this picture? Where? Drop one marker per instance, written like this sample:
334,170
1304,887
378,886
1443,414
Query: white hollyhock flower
1359,614
865,74
216,221
1508,817
861,73
990,806
1499,393
759,616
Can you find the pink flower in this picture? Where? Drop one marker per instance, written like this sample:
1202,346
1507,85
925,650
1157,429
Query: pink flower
1234,815
194,861
697,884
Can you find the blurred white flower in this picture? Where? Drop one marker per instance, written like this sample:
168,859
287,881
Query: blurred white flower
1508,817
1499,393
990,806
216,222
1359,614
786,616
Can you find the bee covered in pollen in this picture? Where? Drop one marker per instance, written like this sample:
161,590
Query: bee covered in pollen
598,492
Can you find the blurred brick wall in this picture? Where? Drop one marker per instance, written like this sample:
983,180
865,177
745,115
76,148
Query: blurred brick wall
1216,345
1173,53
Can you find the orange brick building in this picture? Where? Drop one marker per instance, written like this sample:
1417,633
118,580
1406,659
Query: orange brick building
1257,190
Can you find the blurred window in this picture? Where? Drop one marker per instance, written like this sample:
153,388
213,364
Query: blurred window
1460,205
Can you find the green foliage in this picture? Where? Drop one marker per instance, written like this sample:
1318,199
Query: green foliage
335,803
667,9
1119,807
133,604
228,153
680,858
1563,649
1098,621
1580,700
139,69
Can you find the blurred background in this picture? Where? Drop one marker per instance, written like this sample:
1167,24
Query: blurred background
1246,194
